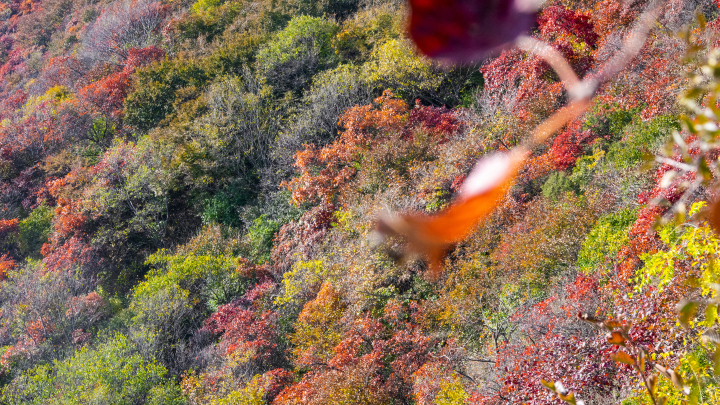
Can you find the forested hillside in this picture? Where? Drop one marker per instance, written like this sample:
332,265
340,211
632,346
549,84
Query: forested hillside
265,202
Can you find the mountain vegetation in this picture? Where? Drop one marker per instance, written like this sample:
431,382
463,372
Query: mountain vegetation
359,202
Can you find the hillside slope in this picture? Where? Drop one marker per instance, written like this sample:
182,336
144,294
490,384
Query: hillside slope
189,198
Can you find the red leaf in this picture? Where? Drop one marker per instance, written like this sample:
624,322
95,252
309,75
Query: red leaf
466,30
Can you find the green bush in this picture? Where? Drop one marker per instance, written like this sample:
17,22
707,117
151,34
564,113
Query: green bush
128,202
219,23
166,394
260,238
586,168
180,291
339,9
208,23
295,54
606,120
113,372
604,241
396,65
161,91
223,207
641,138
366,30
234,55
204,279
34,231
262,221
557,184
302,281
205,5
154,91
226,151
582,175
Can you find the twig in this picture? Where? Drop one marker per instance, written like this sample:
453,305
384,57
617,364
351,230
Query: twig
503,144
481,360
553,57
674,163
647,385
466,376
557,121
581,92
633,44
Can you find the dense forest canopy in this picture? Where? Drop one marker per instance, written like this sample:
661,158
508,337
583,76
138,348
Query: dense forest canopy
274,202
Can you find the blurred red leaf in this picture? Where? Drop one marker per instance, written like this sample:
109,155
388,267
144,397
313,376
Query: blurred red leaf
712,214
466,30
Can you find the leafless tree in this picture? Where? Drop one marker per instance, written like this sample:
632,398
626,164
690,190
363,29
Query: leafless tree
124,25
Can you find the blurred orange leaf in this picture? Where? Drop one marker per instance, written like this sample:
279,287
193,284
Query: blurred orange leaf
616,338
622,357
432,235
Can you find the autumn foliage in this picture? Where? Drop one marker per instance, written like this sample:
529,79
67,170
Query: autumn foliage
297,202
